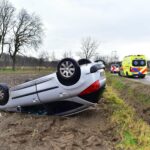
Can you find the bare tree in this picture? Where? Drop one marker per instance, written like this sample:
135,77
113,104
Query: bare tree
27,33
67,54
105,58
88,48
114,56
6,21
53,57
43,58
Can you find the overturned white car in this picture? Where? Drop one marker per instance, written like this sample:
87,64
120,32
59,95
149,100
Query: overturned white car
73,88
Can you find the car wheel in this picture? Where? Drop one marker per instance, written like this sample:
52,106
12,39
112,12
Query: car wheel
4,94
84,61
68,71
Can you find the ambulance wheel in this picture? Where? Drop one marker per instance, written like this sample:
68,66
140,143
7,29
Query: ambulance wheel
143,76
4,94
119,73
68,71
127,75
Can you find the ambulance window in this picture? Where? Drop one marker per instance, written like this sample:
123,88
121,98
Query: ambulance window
139,62
135,63
142,63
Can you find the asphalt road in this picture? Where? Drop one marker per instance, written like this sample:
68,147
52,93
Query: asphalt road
146,80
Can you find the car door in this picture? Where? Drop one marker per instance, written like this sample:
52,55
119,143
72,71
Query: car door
24,95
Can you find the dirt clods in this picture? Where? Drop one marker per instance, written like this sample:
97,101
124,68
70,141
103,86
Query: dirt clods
89,130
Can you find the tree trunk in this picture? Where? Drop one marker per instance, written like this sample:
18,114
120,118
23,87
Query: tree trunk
2,48
14,63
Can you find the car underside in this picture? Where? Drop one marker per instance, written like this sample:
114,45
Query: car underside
73,88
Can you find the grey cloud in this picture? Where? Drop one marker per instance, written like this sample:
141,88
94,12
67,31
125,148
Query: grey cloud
116,23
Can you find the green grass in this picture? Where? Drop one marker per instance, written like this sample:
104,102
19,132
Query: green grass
125,87
26,70
134,133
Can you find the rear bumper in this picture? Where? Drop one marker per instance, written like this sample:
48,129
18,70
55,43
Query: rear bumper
93,97
138,75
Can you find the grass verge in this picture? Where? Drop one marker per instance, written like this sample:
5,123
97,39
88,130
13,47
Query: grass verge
134,133
130,90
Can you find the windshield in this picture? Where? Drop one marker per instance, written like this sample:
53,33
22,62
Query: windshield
139,63
115,65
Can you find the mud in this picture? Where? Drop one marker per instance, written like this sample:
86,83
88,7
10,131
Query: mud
89,130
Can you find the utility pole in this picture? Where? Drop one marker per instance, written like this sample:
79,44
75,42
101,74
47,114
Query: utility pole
114,56
0,38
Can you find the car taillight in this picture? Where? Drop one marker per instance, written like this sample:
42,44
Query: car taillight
131,69
92,88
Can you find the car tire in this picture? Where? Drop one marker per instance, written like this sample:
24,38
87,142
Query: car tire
68,72
84,61
4,94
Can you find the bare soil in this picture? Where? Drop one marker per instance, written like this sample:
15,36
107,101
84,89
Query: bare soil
89,130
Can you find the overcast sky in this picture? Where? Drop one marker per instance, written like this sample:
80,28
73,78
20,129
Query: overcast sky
122,25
